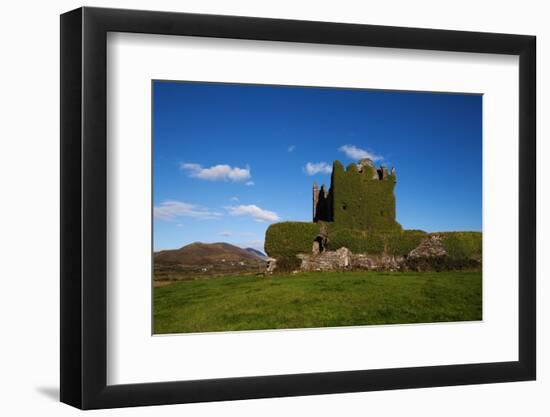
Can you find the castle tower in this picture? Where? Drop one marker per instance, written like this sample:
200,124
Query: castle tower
360,198
315,200
322,204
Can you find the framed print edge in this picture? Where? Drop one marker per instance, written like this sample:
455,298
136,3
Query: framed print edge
84,208
70,215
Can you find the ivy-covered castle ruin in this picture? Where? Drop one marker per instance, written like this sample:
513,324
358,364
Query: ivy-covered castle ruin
354,227
361,197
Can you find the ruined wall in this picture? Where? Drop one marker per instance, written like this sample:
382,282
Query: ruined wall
345,260
434,252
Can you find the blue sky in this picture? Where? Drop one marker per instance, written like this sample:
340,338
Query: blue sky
230,159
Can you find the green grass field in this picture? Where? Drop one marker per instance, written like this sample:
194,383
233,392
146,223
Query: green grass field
316,300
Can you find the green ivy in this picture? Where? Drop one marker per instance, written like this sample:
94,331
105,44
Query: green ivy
358,241
401,243
287,239
374,242
352,168
463,245
361,202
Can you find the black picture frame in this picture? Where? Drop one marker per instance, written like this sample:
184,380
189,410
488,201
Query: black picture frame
84,207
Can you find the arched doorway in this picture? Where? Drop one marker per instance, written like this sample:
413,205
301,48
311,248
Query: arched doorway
319,244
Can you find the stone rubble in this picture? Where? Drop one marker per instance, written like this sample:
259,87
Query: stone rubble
429,248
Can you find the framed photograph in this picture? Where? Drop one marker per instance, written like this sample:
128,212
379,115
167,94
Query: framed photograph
257,208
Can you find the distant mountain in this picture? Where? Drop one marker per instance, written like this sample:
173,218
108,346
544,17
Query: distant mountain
206,260
256,252
204,254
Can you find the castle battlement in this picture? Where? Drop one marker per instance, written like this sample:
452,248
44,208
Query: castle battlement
366,166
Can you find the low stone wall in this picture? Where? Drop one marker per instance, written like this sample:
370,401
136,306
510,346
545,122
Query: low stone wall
326,261
343,259
367,262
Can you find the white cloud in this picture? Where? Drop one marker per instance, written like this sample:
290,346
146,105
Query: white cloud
226,233
169,210
258,214
353,152
249,183
291,148
234,198
221,172
313,168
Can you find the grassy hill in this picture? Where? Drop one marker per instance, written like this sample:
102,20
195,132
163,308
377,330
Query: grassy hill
203,253
316,300
205,259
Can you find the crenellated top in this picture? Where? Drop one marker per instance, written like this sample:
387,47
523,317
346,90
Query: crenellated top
366,167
